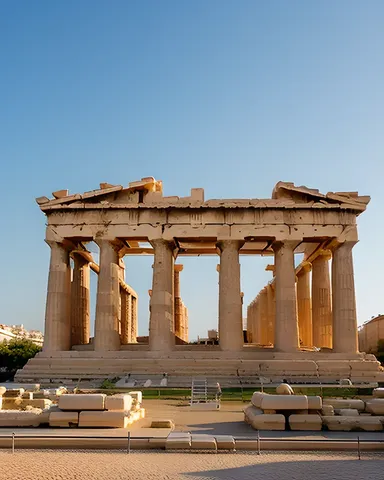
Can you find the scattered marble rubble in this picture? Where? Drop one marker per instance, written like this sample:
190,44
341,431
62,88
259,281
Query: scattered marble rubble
58,408
301,412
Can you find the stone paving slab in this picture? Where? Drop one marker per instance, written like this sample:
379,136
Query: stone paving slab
69,465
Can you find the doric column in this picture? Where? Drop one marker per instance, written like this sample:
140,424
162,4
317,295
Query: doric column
230,304
304,305
256,321
263,316
161,324
80,301
343,300
286,327
57,335
178,307
271,312
126,317
108,298
321,301
134,320
186,327
250,334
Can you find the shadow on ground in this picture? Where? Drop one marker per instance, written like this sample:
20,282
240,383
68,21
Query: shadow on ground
348,469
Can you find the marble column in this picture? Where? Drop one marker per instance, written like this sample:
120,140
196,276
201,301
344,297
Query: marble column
343,300
304,305
178,307
108,298
57,334
263,316
186,327
230,304
257,323
271,313
80,301
321,301
126,317
249,324
286,327
161,323
134,320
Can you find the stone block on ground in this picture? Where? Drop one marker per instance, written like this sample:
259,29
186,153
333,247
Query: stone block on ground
260,421
284,402
250,412
178,440
284,389
378,392
118,403
63,419
137,396
327,410
348,424
347,412
256,399
203,442
15,418
162,423
2,390
141,412
13,392
90,401
375,406
345,403
11,403
314,402
305,422
225,442
37,403
103,419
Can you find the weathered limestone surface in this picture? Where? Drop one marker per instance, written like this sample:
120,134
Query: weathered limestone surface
63,419
161,324
305,422
104,419
304,305
286,334
119,403
230,306
80,301
94,401
57,334
108,299
321,301
343,300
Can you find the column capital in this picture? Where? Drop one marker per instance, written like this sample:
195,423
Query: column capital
289,244
178,267
305,267
347,245
323,255
229,244
162,242
115,243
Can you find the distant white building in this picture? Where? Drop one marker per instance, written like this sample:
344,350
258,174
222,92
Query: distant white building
10,332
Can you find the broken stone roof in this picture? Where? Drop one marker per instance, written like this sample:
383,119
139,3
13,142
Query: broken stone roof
148,193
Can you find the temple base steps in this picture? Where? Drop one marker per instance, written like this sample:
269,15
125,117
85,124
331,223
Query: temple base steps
327,368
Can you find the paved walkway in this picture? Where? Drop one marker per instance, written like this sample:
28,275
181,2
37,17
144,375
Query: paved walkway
69,465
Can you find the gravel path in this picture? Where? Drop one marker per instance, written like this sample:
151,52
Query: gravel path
84,465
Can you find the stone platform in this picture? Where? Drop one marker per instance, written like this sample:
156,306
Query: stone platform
183,363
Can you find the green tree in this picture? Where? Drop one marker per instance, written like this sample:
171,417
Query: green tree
14,354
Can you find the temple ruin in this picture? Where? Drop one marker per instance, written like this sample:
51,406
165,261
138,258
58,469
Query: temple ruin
301,326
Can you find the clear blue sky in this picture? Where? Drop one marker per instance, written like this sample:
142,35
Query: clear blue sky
229,96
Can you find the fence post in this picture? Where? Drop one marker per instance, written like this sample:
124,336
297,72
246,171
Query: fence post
13,442
129,443
358,447
258,442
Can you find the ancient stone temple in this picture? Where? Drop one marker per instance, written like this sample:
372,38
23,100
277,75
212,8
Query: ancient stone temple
302,325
